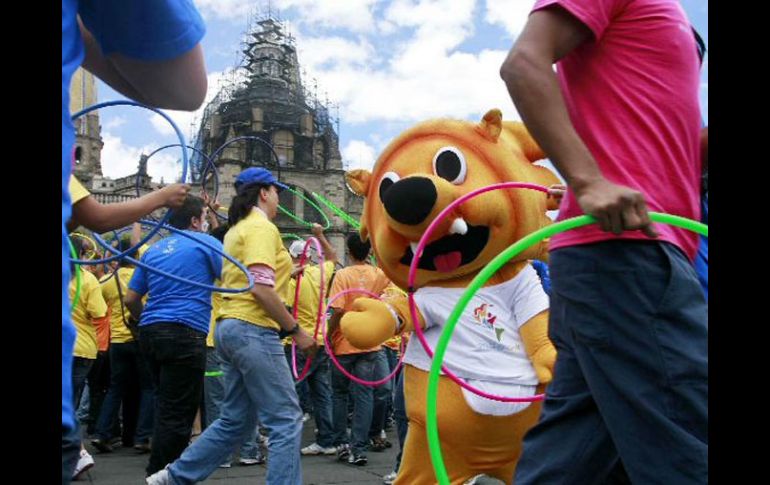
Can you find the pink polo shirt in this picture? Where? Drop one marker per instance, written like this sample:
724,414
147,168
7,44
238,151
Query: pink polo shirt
632,95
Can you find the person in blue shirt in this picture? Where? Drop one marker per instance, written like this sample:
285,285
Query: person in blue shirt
149,51
173,325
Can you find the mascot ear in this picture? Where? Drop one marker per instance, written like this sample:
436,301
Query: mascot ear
491,124
529,146
358,180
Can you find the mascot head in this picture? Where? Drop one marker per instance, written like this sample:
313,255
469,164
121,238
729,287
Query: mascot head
432,164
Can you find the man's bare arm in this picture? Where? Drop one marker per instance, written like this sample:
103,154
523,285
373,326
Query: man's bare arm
548,36
179,83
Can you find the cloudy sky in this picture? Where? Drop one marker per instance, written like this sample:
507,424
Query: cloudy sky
387,63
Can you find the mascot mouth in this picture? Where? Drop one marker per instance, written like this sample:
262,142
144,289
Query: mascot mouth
450,252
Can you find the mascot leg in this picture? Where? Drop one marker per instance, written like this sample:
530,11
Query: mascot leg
471,443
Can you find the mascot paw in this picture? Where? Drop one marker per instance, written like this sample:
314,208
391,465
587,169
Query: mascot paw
543,361
368,324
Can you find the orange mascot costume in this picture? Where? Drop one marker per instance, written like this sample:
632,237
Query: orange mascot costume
501,345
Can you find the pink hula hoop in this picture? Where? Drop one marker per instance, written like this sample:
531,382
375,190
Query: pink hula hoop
295,307
334,358
413,274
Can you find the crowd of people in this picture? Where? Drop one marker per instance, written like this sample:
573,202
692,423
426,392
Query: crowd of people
151,353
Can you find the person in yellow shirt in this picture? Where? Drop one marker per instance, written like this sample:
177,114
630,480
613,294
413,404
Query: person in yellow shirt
214,384
126,362
248,337
90,311
318,379
369,405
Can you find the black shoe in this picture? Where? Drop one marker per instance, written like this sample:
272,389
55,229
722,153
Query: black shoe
142,448
377,444
102,446
343,452
357,459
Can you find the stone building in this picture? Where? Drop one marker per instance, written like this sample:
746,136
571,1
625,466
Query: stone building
270,106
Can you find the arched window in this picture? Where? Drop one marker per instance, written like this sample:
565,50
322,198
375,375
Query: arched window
283,144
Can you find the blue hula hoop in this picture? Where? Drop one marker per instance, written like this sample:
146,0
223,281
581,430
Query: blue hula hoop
179,278
185,164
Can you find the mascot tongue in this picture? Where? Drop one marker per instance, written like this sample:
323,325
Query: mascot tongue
448,262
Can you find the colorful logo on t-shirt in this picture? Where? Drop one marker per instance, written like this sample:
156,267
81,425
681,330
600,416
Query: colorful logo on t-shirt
484,317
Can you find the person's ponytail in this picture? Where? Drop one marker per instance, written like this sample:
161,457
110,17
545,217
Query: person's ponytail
242,203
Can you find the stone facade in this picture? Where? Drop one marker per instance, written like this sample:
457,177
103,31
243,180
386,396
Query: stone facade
272,105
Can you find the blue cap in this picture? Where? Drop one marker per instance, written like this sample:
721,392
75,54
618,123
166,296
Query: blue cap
256,175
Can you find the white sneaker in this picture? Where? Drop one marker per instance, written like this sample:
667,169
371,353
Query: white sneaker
305,417
472,481
159,478
85,462
226,464
251,461
389,478
316,449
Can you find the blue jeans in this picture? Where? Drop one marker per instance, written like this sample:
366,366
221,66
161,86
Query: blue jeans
319,383
364,366
303,389
399,414
383,394
126,363
214,394
630,324
258,384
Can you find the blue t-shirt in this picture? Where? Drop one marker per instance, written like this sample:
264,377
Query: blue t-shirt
545,277
142,29
173,301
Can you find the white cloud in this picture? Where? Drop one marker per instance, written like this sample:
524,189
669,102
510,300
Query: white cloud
358,154
225,9
120,160
314,52
509,14
417,73
115,122
355,15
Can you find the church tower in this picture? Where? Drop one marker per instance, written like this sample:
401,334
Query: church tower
88,139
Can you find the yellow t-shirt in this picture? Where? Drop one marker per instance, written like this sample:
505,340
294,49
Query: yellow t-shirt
119,333
254,240
77,191
309,291
90,305
363,276
216,304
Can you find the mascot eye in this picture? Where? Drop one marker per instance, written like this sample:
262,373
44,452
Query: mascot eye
388,179
449,164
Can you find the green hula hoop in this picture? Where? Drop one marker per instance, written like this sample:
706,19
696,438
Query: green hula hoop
78,281
339,212
327,224
434,444
214,373
292,235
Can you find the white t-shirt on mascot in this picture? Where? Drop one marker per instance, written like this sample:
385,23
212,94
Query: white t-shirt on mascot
486,348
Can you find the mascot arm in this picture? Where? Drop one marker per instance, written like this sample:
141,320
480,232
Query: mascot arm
541,351
371,322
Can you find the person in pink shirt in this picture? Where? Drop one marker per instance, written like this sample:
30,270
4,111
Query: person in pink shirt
620,120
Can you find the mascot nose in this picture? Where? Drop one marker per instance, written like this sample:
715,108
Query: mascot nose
410,200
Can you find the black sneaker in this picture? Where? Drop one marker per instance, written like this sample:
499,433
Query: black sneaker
357,459
343,452
377,444
102,446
